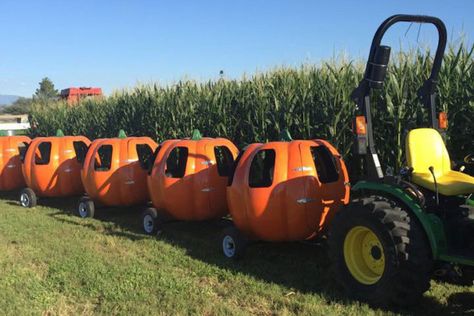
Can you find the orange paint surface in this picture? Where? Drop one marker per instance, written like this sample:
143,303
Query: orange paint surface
201,193
61,176
297,205
11,174
124,184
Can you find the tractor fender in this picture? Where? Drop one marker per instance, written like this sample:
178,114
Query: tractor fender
432,224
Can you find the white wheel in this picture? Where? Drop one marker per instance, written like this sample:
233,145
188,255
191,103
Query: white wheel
228,246
82,210
151,221
85,208
233,243
148,224
27,198
24,200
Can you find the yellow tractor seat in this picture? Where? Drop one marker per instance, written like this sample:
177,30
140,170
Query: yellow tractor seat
424,149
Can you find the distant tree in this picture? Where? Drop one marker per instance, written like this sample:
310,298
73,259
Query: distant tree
20,106
46,91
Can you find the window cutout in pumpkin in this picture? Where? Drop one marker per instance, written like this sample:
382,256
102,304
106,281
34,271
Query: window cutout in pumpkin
43,153
103,159
262,169
176,162
22,148
224,160
145,154
152,159
325,164
234,166
80,148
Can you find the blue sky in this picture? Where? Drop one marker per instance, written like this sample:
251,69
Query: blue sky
116,44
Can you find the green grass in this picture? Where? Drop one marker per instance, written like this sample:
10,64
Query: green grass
52,262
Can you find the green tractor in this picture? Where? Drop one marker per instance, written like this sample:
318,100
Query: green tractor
400,231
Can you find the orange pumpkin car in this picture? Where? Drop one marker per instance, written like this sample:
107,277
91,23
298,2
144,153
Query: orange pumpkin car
51,168
11,174
115,172
188,180
284,191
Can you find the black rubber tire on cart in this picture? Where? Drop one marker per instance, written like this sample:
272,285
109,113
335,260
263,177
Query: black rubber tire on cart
153,221
85,207
233,243
28,198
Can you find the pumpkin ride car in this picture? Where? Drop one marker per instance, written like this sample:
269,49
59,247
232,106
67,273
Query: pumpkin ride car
11,150
115,173
187,180
284,191
51,168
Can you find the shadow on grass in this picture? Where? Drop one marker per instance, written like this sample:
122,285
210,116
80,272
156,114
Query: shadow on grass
63,204
463,301
10,196
120,218
115,216
298,266
302,267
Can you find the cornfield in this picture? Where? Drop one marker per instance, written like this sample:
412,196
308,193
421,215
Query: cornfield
311,102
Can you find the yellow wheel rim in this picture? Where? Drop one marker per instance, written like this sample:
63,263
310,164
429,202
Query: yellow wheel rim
364,256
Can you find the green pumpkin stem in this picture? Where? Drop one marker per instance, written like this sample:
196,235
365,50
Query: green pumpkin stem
285,136
59,133
122,134
196,135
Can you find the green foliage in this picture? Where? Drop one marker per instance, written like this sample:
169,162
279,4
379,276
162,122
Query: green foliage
46,91
44,97
311,102
20,106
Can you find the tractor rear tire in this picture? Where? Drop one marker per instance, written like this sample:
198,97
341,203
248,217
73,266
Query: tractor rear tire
380,253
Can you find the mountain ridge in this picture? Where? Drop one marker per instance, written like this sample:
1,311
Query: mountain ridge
8,99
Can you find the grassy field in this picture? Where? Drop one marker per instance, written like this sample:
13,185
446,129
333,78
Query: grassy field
52,262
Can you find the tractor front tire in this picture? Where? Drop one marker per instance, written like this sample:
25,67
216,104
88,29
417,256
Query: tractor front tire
380,253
